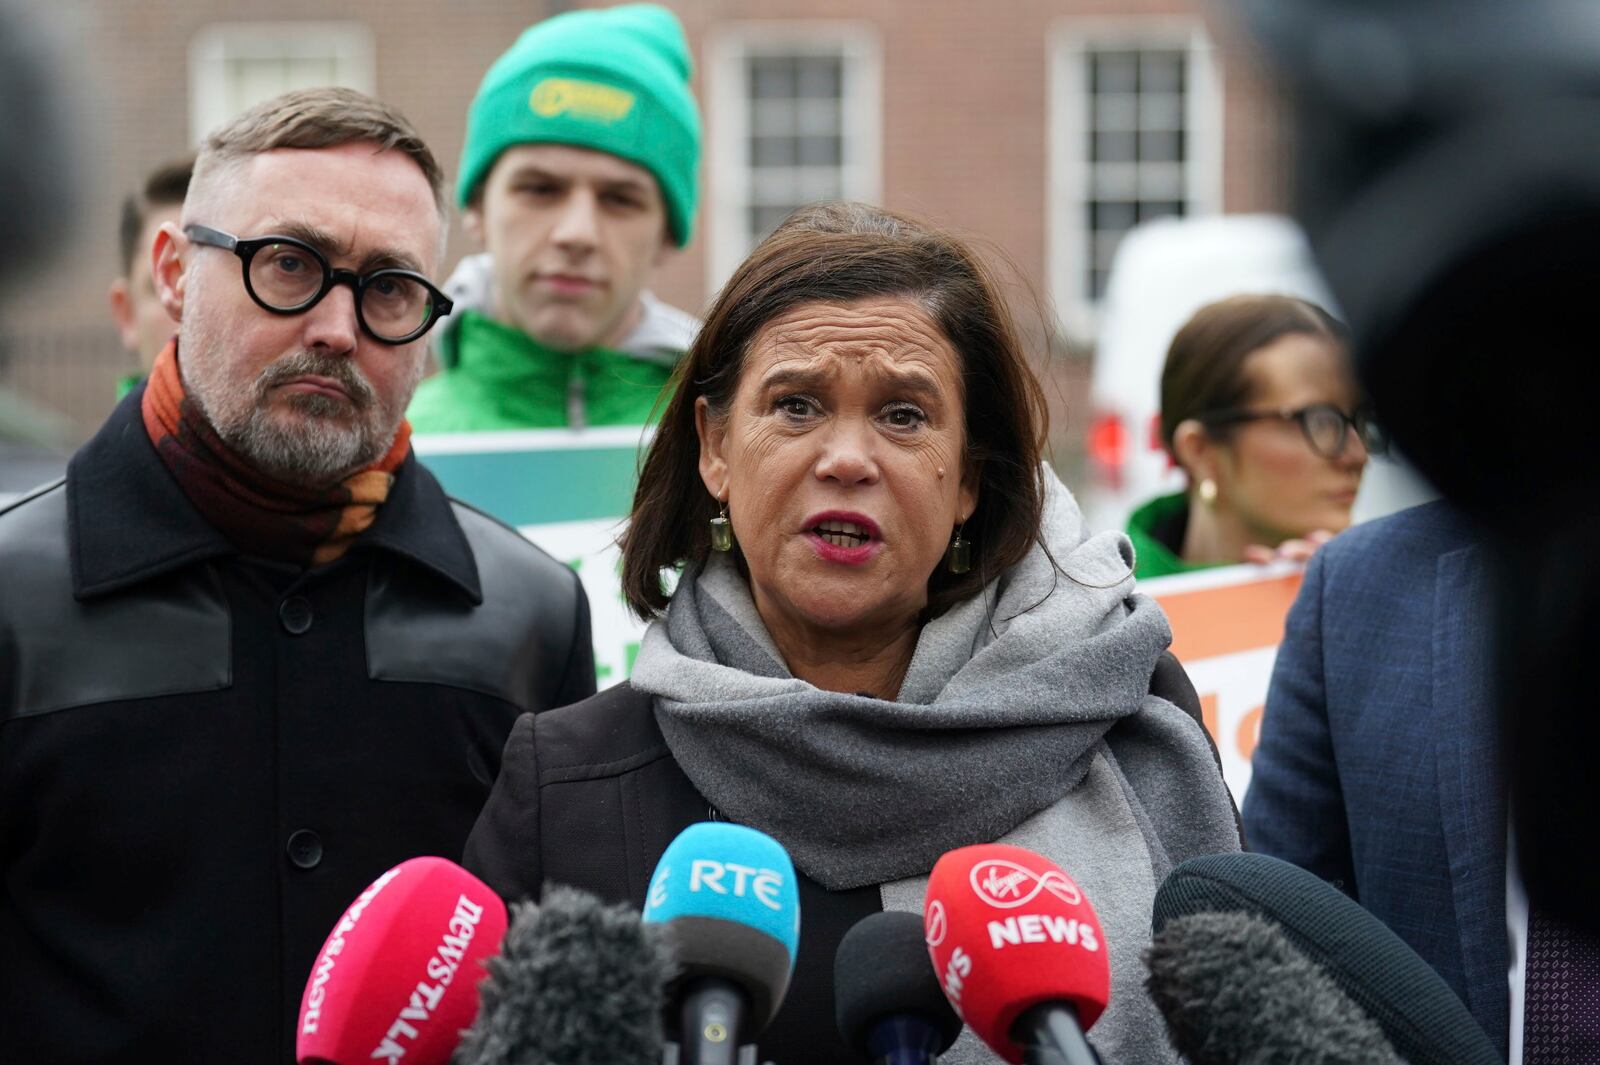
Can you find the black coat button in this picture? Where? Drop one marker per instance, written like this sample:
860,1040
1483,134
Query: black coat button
305,849
296,614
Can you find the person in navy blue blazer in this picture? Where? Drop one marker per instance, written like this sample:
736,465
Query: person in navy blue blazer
1377,767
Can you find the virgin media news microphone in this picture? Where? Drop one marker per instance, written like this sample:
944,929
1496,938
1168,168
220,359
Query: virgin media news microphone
397,979
886,995
577,982
1019,952
728,898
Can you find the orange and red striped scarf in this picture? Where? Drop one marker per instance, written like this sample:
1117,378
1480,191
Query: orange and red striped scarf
260,515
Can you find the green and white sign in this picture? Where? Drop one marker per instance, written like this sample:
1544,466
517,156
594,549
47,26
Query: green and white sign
569,491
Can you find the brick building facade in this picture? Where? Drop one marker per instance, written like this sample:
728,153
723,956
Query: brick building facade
1041,127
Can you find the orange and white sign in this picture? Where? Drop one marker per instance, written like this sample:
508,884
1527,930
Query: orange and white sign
1226,627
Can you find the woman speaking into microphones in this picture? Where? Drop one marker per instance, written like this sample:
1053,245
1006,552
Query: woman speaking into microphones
879,631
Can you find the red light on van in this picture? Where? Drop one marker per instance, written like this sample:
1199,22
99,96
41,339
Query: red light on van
1107,444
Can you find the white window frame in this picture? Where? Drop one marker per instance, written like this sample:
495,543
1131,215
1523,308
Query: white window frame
727,49
1067,172
349,44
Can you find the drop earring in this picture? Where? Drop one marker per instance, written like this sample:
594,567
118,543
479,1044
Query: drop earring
959,558
1208,491
721,531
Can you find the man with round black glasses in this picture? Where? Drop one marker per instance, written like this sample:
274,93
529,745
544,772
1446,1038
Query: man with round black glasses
252,656
288,276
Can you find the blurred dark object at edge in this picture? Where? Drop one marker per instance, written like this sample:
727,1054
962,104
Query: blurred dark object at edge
1448,174
37,185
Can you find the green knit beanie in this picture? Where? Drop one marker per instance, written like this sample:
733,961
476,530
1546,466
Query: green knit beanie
615,80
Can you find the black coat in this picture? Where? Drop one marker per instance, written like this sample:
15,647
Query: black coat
590,796
204,758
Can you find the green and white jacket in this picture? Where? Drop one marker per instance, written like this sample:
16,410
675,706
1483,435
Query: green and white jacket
494,376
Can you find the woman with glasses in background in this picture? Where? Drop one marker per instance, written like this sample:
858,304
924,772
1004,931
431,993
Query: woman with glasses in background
1260,409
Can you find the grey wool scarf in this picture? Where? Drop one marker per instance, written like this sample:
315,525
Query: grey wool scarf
1008,699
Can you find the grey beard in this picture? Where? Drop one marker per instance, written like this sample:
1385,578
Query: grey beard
319,453
324,448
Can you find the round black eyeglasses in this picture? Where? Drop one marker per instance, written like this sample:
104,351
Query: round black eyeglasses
1325,427
288,276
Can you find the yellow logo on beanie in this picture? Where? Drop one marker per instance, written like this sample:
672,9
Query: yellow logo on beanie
580,99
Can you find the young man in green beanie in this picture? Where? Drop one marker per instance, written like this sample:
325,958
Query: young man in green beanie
579,176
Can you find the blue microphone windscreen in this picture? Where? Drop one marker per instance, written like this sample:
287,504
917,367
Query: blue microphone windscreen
729,873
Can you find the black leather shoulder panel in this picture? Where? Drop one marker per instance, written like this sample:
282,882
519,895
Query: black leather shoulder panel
168,636
516,645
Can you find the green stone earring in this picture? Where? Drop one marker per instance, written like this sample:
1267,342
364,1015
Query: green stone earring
721,531
959,558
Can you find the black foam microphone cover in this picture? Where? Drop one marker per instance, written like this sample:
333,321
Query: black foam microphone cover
882,971
1233,989
1415,1009
576,982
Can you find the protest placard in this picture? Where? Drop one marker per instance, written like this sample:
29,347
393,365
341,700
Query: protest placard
1226,627
569,492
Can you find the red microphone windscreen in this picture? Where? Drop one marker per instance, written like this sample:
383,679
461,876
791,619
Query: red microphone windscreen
397,979
1007,930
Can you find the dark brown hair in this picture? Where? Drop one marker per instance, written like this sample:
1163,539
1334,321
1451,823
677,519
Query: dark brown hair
317,118
166,186
1205,372
841,253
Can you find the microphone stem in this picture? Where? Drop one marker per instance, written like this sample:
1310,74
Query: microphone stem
713,1014
1050,1035
904,1039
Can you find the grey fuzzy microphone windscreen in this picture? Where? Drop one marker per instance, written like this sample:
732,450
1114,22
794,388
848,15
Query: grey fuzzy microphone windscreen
1234,991
577,982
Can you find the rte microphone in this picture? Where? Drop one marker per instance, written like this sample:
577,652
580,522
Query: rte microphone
887,997
1019,951
578,982
397,979
728,898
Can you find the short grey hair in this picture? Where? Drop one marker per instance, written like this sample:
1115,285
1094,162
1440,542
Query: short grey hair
313,118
